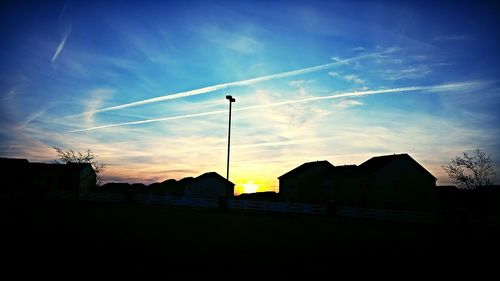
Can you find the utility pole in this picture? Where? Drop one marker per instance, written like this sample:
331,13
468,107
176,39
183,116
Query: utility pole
231,100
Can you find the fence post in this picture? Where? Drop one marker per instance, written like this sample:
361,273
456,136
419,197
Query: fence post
331,207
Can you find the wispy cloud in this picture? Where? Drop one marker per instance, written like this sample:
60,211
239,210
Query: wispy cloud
60,47
65,25
349,77
411,72
354,78
452,38
435,88
32,117
358,49
9,96
217,87
347,104
95,100
300,83
236,41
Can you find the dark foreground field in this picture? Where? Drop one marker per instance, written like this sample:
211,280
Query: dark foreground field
74,239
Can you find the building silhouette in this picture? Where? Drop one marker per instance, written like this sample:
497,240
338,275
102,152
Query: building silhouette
19,176
389,181
209,185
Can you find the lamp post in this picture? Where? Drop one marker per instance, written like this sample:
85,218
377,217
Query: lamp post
231,100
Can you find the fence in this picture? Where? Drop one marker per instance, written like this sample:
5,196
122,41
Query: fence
150,199
279,207
176,201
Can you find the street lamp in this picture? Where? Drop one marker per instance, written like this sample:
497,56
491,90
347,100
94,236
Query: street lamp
231,100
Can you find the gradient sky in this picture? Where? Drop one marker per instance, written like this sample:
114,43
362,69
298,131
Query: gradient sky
142,84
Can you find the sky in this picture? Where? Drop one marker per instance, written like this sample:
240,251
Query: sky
142,84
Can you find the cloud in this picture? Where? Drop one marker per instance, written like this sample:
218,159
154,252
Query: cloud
95,100
9,96
349,77
347,104
411,72
60,47
247,82
300,83
240,40
283,143
32,117
354,78
358,49
434,88
64,23
452,38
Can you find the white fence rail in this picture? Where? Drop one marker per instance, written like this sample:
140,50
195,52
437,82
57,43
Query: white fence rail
176,201
278,207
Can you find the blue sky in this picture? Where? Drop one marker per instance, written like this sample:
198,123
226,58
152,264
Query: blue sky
143,84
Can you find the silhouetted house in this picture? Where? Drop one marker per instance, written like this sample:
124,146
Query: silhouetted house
334,182
180,188
122,188
389,181
167,187
304,183
15,178
115,187
208,185
171,187
49,179
139,188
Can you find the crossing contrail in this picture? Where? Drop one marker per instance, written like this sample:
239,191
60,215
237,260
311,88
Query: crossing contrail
238,83
434,88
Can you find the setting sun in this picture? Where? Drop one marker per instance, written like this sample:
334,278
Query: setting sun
249,187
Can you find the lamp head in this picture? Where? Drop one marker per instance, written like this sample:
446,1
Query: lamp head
230,98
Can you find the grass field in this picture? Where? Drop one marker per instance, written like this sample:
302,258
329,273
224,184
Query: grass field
72,237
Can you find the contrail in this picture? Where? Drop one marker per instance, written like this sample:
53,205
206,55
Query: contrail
366,93
61,45
238,83
280,143
150,120
435,88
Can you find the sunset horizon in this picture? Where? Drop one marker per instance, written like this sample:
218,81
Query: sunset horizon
143,85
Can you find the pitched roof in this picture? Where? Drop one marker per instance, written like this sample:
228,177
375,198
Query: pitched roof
185,180
342,170
374,164
212,175
169,182
307,166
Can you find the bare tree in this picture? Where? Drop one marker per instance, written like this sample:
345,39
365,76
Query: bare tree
470,171
71,156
